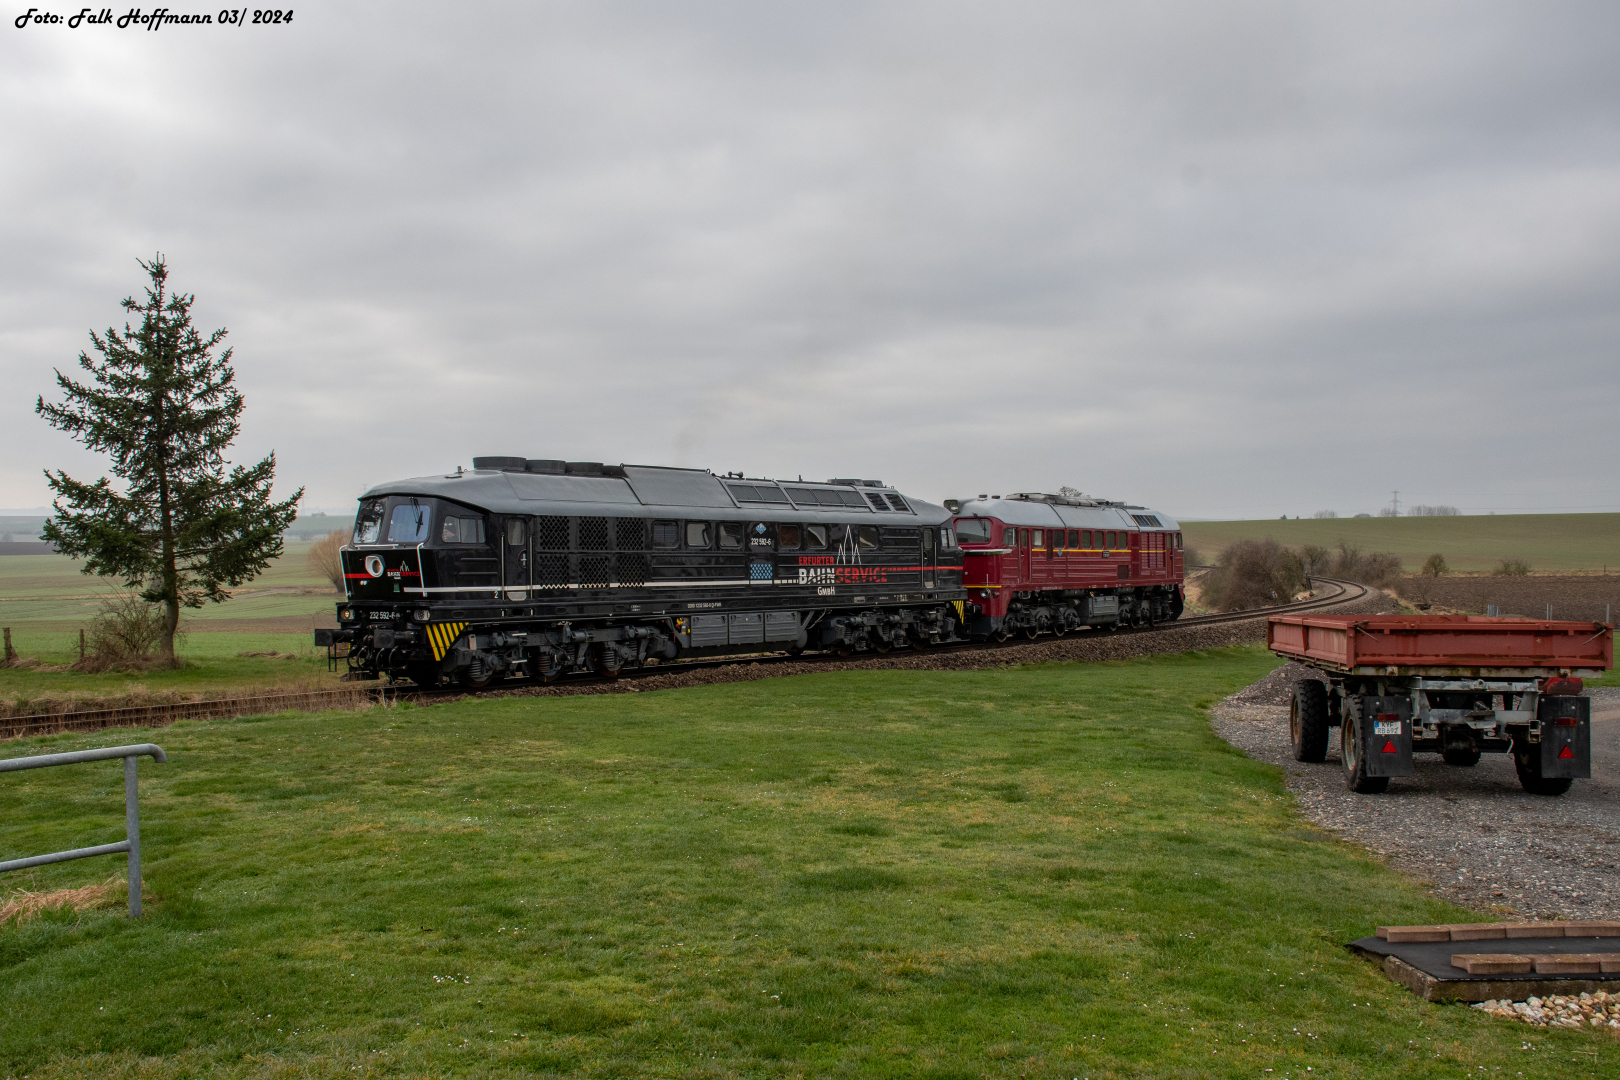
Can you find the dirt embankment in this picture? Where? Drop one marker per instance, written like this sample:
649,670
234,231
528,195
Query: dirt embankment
1572,596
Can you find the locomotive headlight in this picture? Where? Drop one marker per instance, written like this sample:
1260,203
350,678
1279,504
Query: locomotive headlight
346,614
421,614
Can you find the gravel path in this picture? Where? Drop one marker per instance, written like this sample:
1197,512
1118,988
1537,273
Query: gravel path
1472,833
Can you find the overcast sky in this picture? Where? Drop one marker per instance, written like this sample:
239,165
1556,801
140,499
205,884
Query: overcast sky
1227,260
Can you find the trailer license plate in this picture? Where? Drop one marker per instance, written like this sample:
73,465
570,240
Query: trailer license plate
1386,727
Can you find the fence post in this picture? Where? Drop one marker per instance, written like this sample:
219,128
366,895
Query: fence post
132,826
81,643
11,654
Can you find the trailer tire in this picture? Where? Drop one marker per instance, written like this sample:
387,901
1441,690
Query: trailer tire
1460,757
1528,765
1308,721
1355,764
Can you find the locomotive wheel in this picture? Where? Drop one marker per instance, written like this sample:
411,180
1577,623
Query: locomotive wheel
880,646
1059,627
794,650
843,650
424,675
480,682
1003,633
1031,633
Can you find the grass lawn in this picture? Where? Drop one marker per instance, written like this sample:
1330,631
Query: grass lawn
1054,871
1550,542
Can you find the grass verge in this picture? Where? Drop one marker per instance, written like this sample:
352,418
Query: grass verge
1054,871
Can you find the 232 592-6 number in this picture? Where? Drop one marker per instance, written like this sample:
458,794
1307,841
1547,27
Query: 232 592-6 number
273,16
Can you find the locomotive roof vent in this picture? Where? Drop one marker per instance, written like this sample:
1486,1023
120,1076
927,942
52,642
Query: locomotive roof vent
860,483
501,464
545,466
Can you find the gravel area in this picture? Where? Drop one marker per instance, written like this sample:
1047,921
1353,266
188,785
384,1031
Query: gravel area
1472,834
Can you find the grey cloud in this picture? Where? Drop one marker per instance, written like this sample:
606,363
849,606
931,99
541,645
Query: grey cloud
1225,259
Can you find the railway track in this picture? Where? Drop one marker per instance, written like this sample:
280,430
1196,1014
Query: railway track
355,694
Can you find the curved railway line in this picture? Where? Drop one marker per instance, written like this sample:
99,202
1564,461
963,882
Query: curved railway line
350,695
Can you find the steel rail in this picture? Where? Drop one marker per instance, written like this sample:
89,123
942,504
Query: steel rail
215,708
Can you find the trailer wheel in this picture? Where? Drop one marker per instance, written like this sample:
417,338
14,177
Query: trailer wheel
1527,762
1308,721
1461,757
1355,765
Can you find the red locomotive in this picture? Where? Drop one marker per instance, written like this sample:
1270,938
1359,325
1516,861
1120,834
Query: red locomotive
1036,563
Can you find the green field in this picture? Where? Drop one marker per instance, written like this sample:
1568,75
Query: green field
1055,871
46,601
1561,543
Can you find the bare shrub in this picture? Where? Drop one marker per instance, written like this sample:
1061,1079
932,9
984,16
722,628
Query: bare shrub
1376,569
124,635
1435,566
1312,558
1324,514
1512,568
1253,573
1421,510
325,557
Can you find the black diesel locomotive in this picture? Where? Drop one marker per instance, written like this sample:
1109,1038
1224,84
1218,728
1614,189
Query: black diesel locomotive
536,568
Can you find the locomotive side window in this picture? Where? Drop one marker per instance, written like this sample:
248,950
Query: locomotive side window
1023,538
466,530
731,535
1037,538
697,534
869,537
666,535
516,534
409,524
1074,539
368,525
787,537
815,537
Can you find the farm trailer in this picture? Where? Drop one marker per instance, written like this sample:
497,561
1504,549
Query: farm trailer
1457,685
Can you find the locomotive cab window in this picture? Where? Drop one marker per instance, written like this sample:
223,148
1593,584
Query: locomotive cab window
787,537
368,524
1037,538
973,531
516,534
1023,538
1074,539
868,537
815,537
666,535
409,523
697,534
731,535
464,530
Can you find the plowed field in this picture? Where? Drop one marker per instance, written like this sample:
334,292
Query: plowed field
1572,596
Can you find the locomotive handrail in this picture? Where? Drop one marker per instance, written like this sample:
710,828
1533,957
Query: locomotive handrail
132,816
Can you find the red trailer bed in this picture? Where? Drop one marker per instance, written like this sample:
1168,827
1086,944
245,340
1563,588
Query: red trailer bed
1456,645
1456,685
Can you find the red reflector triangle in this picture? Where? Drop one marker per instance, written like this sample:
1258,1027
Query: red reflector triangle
1565,753
1389,747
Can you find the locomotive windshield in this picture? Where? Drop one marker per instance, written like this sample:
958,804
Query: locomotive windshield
368,525
409,523
972,531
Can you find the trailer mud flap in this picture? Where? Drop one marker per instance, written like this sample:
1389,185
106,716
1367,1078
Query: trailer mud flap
1566,736
1385,731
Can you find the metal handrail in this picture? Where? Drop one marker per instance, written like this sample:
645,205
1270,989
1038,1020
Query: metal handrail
132,817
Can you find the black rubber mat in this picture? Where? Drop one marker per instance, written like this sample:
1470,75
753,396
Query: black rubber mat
1434,957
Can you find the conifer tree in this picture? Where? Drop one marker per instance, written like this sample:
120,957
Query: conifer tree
183,525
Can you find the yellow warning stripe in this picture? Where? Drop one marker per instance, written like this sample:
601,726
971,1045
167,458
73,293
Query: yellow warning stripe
443,635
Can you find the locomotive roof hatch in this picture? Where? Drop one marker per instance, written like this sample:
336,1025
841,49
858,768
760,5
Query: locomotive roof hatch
513,485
